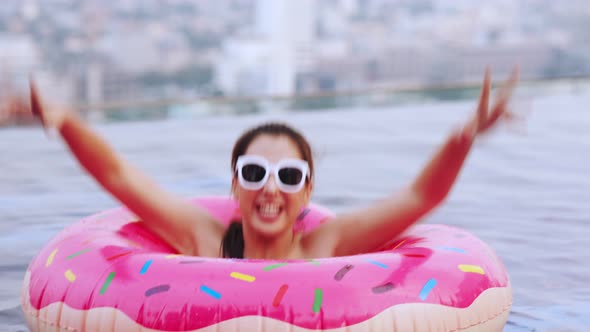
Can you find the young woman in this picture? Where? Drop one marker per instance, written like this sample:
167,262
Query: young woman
272,179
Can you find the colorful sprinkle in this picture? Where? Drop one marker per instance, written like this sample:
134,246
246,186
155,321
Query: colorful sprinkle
50,258
398,245
317,300
428,286
342,272
459,250
313,262
157,289
471,268
279,295
383,288
83,251
303,214
70,276
107,283
119,255
210,292
273,266
415,255
243,277
85,242
377,263
146,266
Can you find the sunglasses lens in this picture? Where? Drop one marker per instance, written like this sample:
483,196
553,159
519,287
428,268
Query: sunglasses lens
290,176
253,172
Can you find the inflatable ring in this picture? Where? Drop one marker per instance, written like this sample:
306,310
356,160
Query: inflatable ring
108,273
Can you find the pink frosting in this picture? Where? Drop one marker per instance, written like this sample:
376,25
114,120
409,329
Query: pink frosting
107,260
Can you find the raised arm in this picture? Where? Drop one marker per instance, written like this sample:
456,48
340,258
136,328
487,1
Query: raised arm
372,227
187,228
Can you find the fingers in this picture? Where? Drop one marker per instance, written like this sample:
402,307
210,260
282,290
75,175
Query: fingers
505,93
36,107
508,88
482,108
503,97
35,103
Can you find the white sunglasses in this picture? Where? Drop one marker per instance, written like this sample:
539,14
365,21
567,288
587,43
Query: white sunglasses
254,171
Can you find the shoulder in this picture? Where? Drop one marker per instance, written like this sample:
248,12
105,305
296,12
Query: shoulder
321,242
208,241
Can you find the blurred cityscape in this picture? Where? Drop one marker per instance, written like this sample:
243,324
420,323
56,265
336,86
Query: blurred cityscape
96,52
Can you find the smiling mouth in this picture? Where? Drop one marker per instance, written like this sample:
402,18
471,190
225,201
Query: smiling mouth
268,211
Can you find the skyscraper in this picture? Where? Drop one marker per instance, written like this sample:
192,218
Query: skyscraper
282,46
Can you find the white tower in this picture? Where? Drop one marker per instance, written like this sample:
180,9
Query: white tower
289,28
268,62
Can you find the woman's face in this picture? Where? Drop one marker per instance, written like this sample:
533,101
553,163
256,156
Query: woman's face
268,212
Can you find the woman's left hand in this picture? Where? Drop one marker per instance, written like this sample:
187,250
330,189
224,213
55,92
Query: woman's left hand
486,118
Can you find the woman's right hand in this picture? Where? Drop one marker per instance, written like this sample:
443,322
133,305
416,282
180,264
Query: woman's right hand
51,117
14,102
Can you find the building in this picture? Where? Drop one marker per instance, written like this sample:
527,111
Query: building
268,60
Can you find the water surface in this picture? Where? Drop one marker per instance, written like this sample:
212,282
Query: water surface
525,194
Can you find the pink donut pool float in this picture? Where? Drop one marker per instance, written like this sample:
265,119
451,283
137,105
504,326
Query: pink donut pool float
108,273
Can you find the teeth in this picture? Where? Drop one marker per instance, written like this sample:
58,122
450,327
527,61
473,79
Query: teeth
269,209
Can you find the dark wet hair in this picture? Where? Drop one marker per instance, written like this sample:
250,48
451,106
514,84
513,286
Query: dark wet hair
232,244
